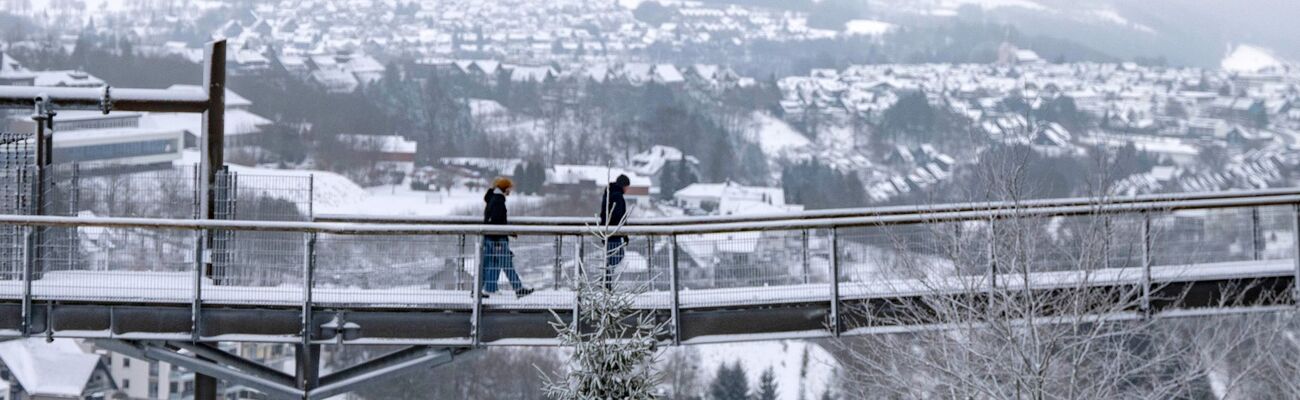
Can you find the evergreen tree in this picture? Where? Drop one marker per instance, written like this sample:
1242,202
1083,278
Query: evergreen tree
730,383
766,386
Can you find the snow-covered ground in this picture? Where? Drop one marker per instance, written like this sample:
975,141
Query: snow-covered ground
867,27
802,370
773,135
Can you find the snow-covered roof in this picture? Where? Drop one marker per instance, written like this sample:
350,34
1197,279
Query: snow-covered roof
12,69
595,173
730,191
67,78
238,122
649,162
56,369
381,143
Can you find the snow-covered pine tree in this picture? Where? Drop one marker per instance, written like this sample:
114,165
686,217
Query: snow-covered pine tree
730,383
614,347
766,385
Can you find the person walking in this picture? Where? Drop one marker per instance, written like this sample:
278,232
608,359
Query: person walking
613,211
496,254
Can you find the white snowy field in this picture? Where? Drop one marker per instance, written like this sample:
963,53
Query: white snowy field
803,370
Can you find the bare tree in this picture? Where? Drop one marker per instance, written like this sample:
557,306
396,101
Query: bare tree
1029,306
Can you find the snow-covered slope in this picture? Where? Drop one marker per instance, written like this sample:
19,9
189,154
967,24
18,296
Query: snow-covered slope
803,370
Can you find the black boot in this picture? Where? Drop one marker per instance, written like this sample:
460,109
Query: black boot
521,292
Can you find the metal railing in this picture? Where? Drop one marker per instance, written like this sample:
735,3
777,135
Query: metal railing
336,265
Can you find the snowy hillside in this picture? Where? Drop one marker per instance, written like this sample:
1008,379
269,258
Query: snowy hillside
803,370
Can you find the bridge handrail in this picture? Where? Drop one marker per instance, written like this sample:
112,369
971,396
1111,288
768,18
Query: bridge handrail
703,228
65,98
816,214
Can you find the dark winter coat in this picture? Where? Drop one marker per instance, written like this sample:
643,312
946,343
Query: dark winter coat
494,213
613,208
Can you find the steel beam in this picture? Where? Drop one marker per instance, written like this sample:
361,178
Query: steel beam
1256,239
393,364
219,356
203,369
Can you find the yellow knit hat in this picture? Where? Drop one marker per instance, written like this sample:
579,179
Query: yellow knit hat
502,183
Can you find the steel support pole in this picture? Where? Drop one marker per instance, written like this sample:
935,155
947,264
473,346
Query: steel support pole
29,260
674,276
460,271
649,260
1146,264
803,239
213,157
476,316
1295,254
559,261
308,354
835,283
581,274
196,299
1256,241
991,248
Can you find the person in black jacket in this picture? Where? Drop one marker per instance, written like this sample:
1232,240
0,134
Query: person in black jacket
496,255
613,211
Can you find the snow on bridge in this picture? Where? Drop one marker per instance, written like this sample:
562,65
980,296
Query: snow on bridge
716,279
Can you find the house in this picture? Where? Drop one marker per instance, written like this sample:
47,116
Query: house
13,74
729,198
33,369
392,152
589,180
67,78
651,162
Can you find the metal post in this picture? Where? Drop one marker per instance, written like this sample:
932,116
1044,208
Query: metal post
649,261
990,245
28,263
308,279
460,272
804,254
196,302
1257,243
477,314
213,140
213,157
675,288
559,260
1295,254
835,282
307,355
1146,263
74,203
582,280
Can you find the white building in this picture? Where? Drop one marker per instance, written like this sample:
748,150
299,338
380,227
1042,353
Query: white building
33,369
730,198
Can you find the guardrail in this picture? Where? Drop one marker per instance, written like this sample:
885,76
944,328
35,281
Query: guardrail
310,265
818,214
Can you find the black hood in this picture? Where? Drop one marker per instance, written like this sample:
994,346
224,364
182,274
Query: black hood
487,198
